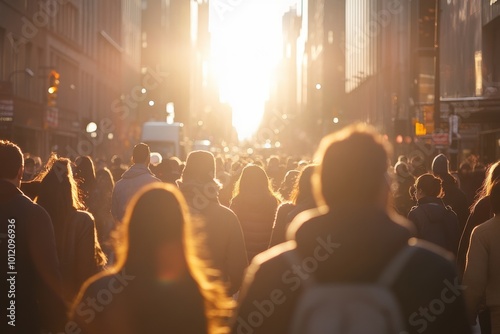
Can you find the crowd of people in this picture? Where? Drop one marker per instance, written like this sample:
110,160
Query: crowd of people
226,245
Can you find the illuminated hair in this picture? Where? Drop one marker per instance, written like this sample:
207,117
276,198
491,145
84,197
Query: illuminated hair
430,185
492,175
303,186
158,214
253,182
58,195
352,167
11,159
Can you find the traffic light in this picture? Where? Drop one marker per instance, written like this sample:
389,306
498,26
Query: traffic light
53,88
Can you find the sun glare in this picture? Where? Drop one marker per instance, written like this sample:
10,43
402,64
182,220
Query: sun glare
246,46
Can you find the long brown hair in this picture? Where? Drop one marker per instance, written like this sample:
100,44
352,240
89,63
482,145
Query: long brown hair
253,183
159,214
60,197
58,194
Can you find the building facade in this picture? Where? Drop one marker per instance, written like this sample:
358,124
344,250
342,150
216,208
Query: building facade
93,49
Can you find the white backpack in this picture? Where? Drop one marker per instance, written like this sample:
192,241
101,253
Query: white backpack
350,308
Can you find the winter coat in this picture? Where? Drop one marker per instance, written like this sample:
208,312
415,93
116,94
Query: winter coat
456,198
220,231
286,213
38,296
436,223
136,177
349,248
256,216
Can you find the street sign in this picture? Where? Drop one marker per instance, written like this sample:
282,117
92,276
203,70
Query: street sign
440,139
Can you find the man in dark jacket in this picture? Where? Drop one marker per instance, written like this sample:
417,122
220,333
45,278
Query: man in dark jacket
30,280
350,239
136,177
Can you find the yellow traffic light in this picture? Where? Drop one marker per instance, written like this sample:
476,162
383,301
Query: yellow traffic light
420,129
53,88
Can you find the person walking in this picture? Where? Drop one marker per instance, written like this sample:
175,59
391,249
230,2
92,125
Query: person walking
134,178
349,241
31,299
217,224
255,204
159,283
453,195
482,272
76,239
302,200
435,222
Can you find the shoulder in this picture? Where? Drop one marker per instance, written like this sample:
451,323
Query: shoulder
271,259
306,222
84,216
487,227
427,257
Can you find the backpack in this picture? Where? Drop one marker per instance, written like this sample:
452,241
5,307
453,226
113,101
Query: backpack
350,308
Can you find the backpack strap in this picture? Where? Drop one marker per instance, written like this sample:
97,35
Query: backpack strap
394,267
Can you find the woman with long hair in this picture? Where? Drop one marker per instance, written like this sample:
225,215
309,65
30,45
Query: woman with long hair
100,207
479,213
255,204
158,284
84,173
80,255
302,199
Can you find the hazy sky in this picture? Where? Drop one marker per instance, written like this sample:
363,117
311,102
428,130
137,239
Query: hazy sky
246,46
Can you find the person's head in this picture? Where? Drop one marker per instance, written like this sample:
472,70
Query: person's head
29,166
352,170
440,166
157,243
288,185
84,173
146,228
492,175
253,182
58,194
495,197
11,162
104,180
403,158
200,167
273,163
303,189
116,161
58,187
140,154
427,185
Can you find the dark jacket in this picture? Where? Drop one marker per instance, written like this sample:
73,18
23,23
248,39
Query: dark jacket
455,198
38,299
284,216
436,223
220,230
351,248
136,177
126,303
78,258
256,216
